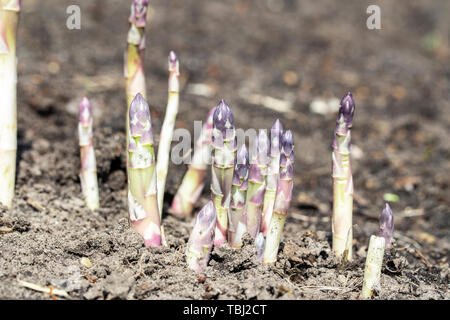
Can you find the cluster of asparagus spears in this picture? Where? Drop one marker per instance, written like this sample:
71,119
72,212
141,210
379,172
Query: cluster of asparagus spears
250,192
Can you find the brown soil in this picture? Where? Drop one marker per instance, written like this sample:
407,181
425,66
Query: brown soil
295,52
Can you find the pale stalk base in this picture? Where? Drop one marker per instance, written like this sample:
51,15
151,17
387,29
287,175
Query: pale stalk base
162,164
342,220
269,202
374,261
235,237
7,176
273,238
90,189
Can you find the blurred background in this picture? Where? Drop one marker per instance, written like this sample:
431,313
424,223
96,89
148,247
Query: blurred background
286,59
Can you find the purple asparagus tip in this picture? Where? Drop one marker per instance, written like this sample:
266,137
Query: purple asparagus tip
202,237
173,62
85,112
347,109
140,120
387,225
287,156
241,167
139,12
275,138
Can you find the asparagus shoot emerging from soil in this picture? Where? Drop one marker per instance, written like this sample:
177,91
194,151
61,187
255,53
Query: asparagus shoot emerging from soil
9,19
193,181
374,261
134,54
272,175
88,173
202,237
237,222
257,183
343,181
387,225
282,199
224,144
142,191
162,164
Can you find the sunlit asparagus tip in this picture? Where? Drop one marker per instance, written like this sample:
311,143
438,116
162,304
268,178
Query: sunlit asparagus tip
207,216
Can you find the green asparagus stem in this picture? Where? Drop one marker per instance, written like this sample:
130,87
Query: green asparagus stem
282,200
343,181
9,19
193,181
88,172
224,144
162,164
142,190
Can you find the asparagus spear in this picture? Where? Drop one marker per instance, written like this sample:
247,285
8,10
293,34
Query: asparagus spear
272,175
142,191
167,129
257,183
201,240
387,225
134,54
9,19
343,181
224,144
193,181
237,220
282,199
88,173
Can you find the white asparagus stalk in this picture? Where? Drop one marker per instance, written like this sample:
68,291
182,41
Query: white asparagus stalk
162,163
9,19
88,172
342,228
374,261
